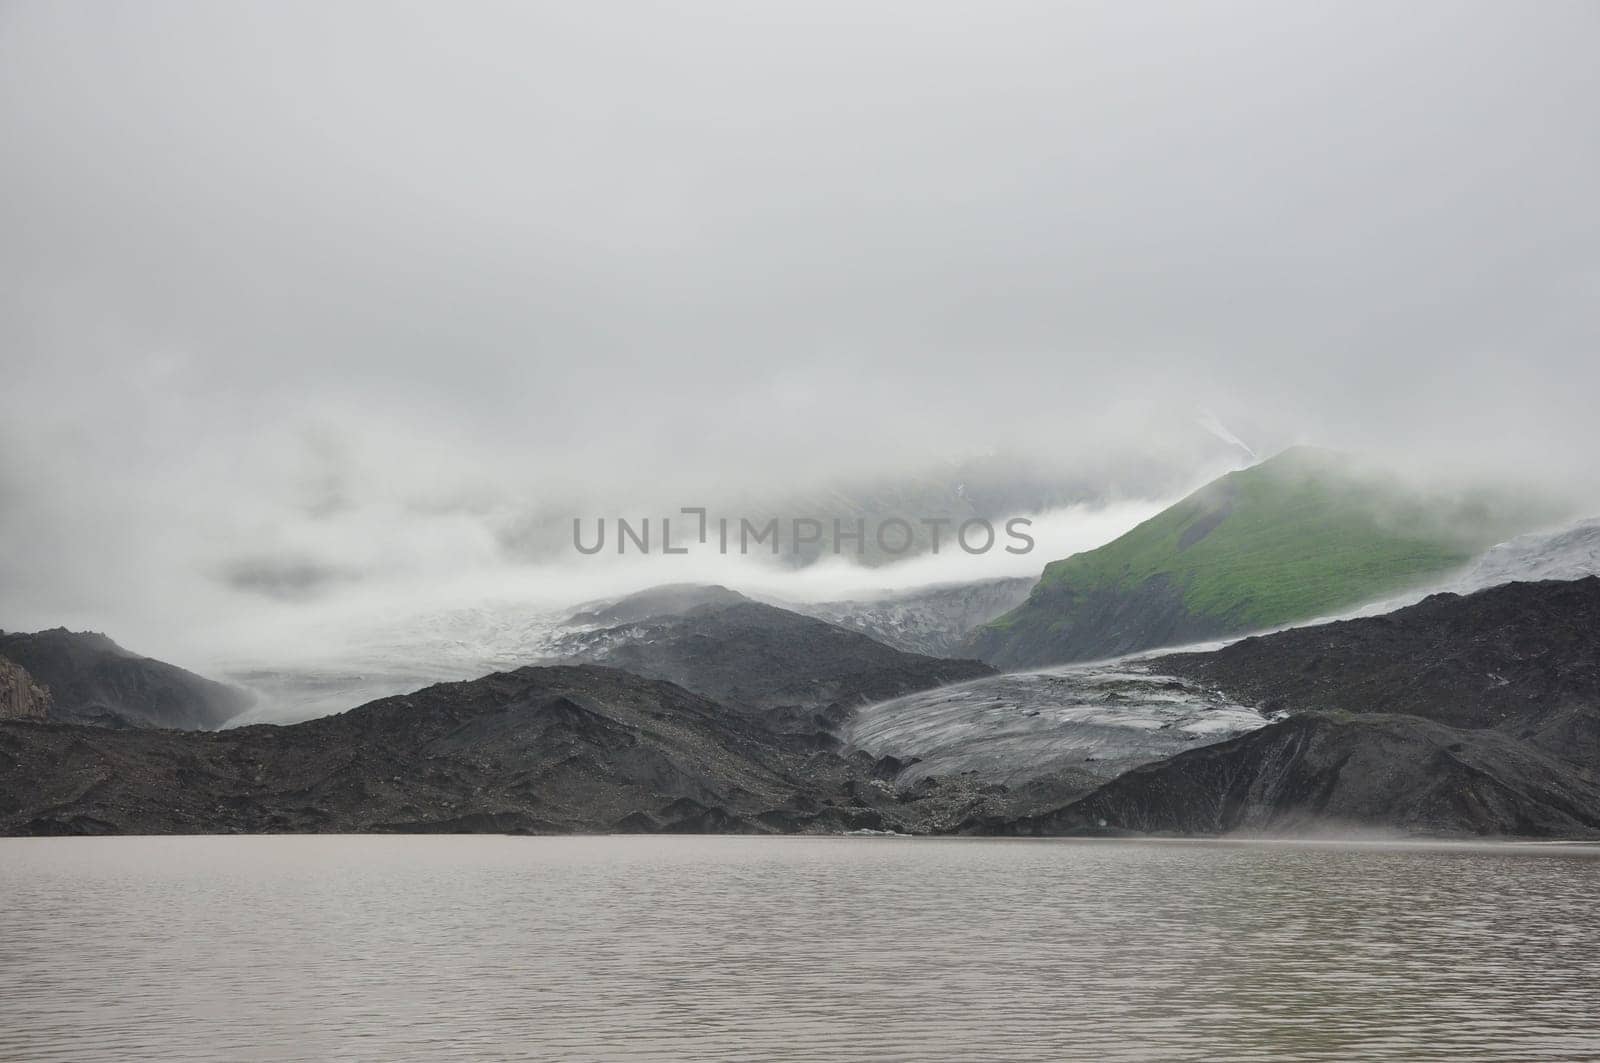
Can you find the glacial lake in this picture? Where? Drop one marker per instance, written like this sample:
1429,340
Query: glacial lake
700,948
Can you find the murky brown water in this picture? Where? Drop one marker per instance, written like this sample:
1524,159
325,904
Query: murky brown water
382,948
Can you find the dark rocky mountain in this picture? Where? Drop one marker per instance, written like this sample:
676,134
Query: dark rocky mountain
20,697
93,680
537,750
1461,715
1523,658
1475,714
1324,772
764,660
931,620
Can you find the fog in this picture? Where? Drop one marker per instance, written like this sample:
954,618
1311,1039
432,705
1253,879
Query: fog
311,314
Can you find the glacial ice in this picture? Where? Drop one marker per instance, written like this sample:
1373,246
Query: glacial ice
1098,718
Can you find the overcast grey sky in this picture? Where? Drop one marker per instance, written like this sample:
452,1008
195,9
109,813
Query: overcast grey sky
340,280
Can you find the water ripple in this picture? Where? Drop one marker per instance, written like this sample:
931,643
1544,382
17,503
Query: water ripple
382,948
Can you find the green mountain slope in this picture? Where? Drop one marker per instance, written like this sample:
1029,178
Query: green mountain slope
1307,533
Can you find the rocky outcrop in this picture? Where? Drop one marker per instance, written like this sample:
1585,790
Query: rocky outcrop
93,680
20,697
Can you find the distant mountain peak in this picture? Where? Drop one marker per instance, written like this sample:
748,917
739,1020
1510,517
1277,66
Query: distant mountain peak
91,679
667,599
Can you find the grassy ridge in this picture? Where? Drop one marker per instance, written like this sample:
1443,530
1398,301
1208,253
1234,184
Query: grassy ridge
1304,534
